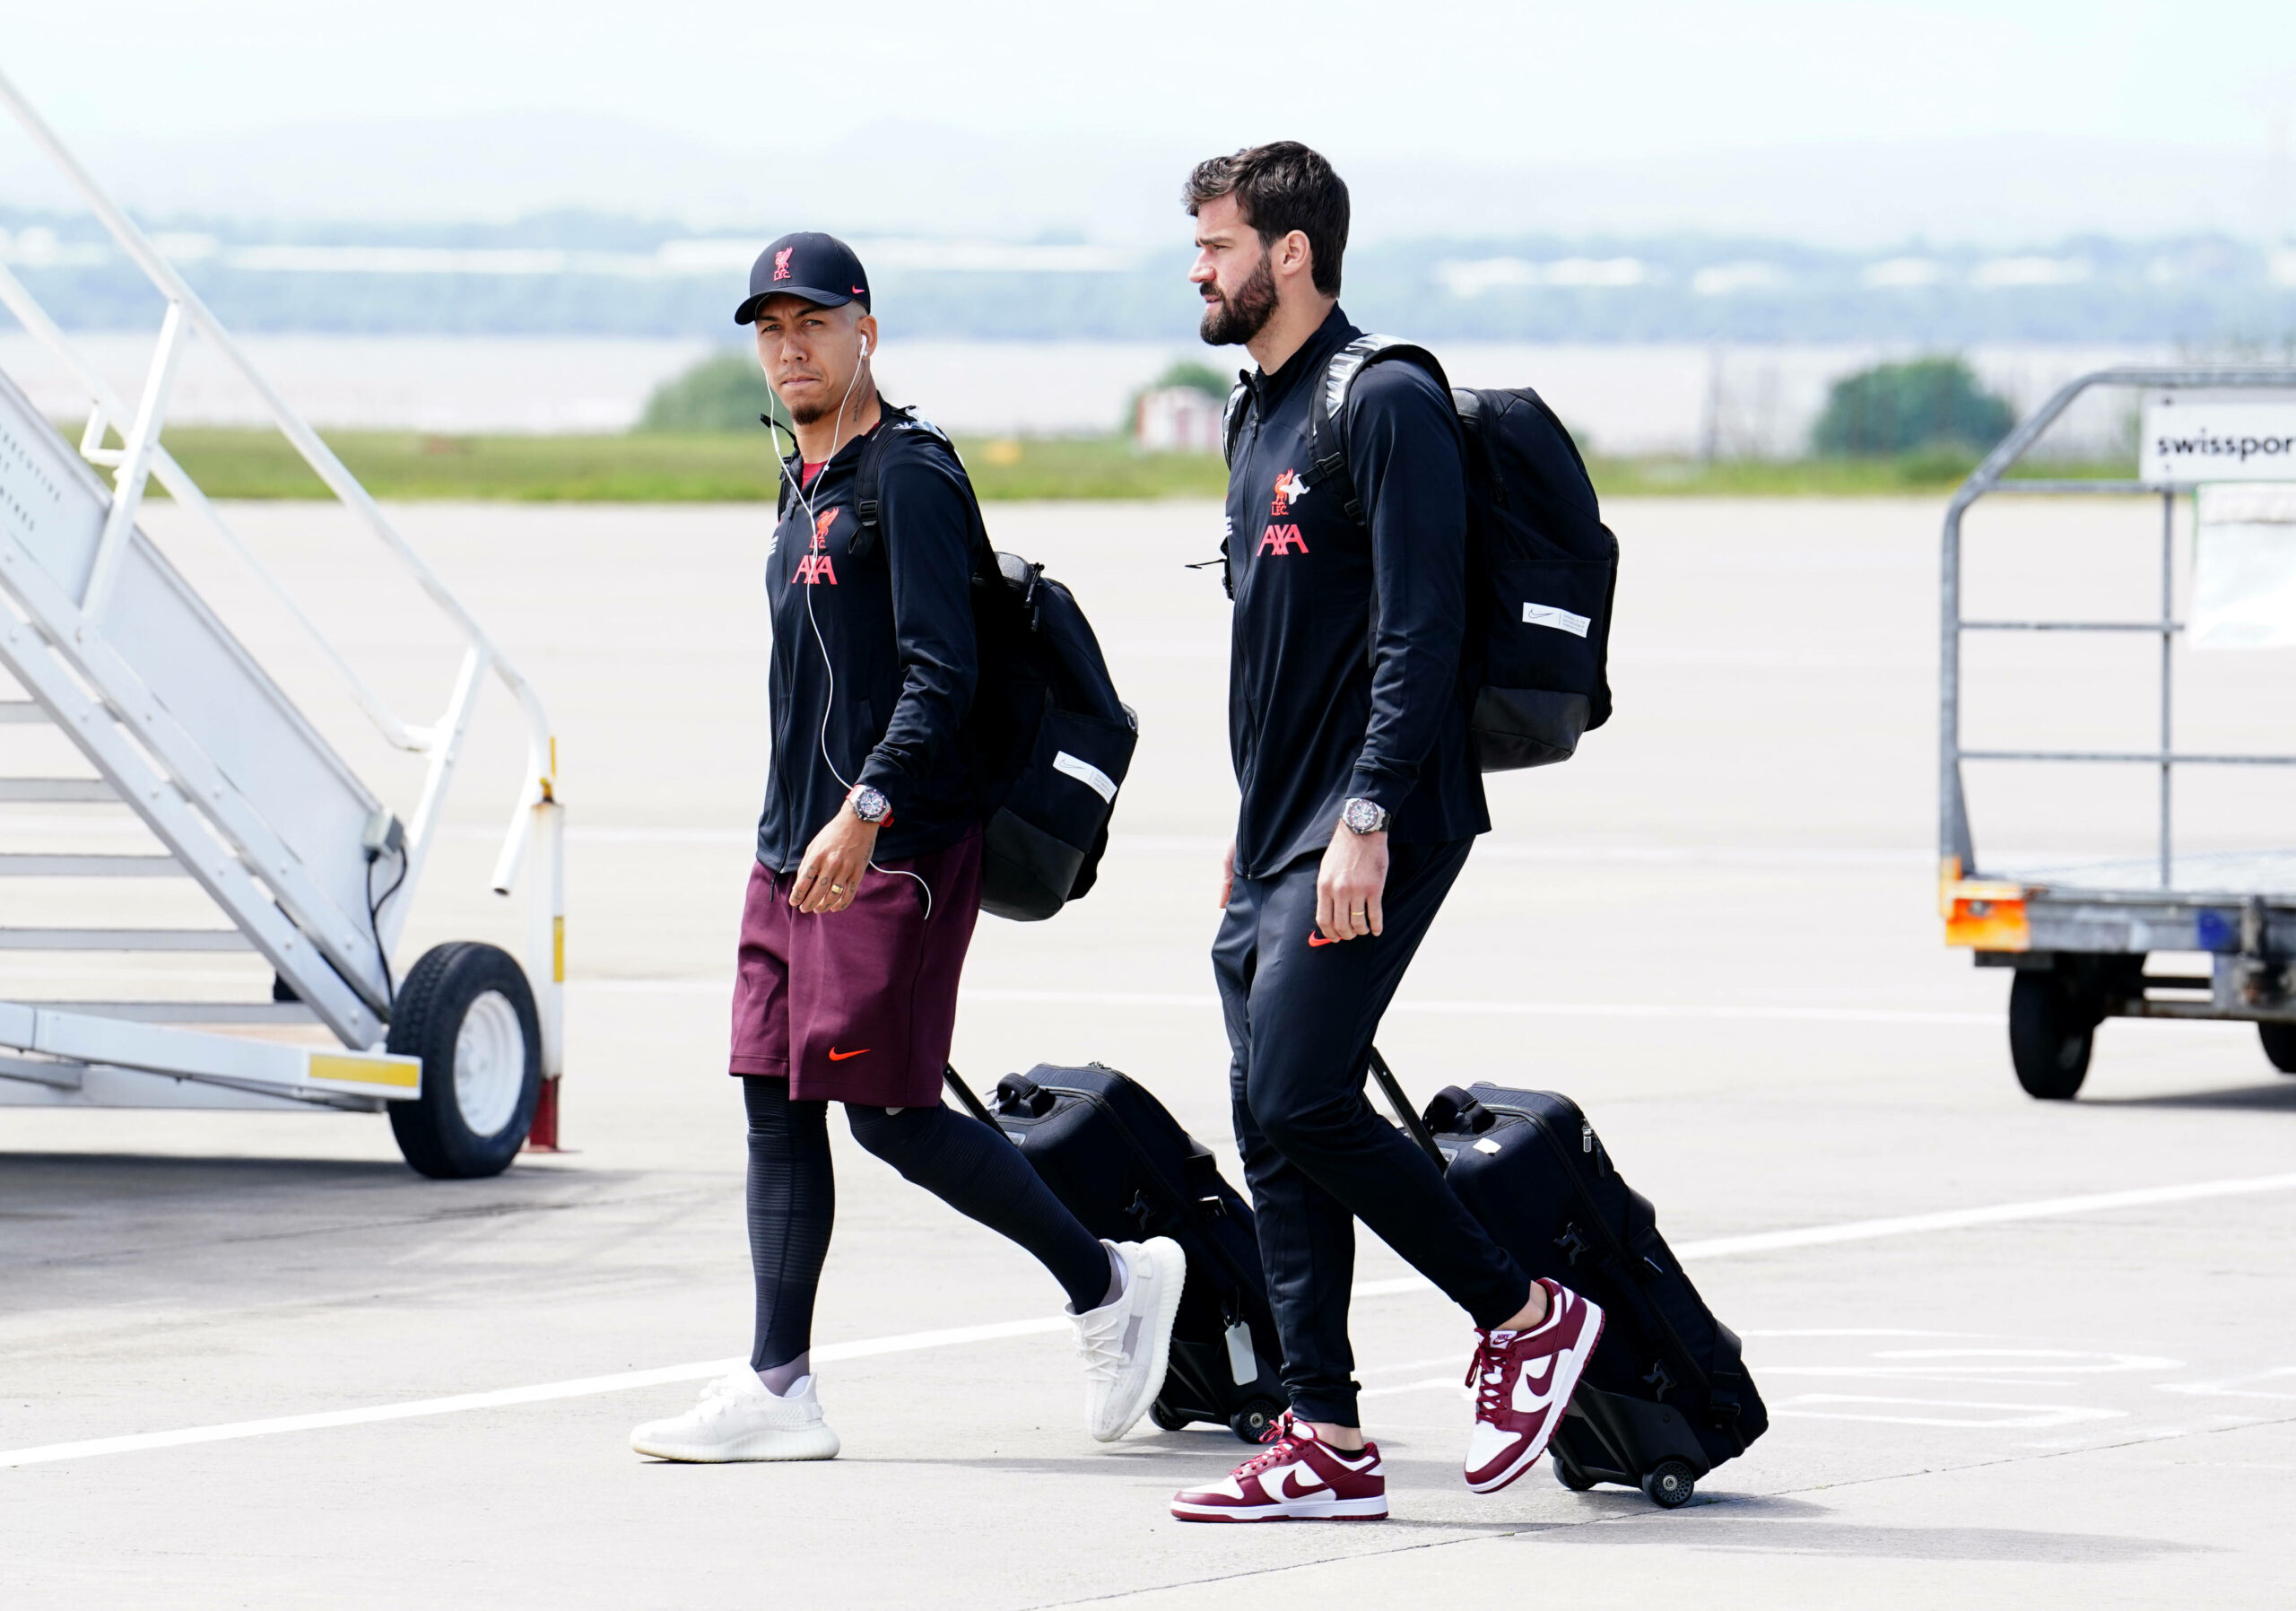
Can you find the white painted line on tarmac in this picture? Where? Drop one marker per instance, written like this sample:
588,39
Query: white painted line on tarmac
1956,1219
1451,1009
1723,1247
580,1387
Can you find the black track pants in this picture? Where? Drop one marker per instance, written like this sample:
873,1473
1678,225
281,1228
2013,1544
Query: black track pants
964,1162
1300,1021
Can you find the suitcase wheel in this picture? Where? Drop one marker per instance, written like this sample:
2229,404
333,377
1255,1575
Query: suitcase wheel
1252,1423
1169,1418
1567,1473
1669,1485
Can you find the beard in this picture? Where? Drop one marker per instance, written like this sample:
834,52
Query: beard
858,392
1232,321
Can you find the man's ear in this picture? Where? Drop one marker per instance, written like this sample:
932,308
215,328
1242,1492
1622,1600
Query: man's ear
1294,255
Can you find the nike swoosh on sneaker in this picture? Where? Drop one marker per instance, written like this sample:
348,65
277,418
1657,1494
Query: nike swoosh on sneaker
1528,1398
1290,1487
836,1055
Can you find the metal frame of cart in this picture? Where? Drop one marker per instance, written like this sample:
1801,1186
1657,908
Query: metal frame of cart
2080,952
118,652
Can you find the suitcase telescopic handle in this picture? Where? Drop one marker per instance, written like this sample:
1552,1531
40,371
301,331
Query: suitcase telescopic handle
966,1099
1405,1114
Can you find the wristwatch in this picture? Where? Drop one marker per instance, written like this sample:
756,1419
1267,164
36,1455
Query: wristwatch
1361,816
870,806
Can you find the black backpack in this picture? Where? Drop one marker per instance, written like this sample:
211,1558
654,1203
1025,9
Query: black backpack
1047,741
1541,567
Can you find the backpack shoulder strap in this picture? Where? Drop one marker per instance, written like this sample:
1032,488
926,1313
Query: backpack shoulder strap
1231,419
868,476
1327,414
791,466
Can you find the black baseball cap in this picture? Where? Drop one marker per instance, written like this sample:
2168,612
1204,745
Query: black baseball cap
820,268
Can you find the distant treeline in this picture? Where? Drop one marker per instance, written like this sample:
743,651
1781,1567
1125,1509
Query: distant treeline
622,276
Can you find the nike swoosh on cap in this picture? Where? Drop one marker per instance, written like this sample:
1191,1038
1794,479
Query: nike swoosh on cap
836,1055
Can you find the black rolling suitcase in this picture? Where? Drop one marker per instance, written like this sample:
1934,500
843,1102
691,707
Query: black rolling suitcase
1124,1166
1665,1398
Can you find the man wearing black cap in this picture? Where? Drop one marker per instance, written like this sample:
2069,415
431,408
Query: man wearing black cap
867,884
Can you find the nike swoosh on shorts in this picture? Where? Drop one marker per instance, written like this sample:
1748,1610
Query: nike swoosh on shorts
836,1055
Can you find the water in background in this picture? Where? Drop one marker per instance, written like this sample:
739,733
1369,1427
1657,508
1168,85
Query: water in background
1679,398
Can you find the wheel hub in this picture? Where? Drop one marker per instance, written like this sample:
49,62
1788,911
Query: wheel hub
490,1064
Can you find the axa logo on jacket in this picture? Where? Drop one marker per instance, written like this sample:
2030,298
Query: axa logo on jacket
1282,533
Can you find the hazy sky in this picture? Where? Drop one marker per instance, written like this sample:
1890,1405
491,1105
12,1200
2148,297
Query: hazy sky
1613,85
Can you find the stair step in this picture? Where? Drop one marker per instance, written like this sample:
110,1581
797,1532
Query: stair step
57,791
14,864
123,939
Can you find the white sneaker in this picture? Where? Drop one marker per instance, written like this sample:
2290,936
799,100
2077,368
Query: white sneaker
740,1419
1127,1343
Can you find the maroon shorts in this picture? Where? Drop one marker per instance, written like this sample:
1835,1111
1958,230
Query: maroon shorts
857,1005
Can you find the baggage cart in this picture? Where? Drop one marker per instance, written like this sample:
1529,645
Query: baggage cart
108,644
2078,937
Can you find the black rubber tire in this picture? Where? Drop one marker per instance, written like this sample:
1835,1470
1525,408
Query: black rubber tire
1251,1422
1668,1485
1169,1419
427,1023
2051,1031
1569,1474
2279,1045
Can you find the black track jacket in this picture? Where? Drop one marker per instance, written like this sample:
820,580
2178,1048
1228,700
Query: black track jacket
895,641
1317,712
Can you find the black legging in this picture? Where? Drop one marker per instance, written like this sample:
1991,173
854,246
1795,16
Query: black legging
966,1165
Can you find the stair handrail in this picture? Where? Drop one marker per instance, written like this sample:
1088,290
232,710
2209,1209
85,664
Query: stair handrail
143,453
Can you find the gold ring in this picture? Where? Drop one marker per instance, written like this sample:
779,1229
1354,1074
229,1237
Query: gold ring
837,889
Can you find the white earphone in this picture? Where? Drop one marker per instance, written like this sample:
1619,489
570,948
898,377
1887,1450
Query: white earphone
865,346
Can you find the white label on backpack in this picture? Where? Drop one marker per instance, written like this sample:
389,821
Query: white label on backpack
1243,1364
1557,617
1086,773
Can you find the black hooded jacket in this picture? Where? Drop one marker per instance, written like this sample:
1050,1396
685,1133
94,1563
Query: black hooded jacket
874,659
1319,710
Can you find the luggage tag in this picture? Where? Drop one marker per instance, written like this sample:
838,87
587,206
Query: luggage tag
1243,1363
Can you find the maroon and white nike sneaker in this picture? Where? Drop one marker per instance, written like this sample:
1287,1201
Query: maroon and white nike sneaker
1523,1381
1296,1476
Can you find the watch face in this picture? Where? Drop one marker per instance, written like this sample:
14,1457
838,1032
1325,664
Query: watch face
1363,816
868,804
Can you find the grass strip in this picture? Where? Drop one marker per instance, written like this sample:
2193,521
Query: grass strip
660,467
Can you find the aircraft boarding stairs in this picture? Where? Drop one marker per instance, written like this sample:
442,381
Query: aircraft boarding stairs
104,643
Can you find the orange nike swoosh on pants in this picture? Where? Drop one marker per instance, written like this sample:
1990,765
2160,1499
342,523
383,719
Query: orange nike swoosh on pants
836,1055
1317,939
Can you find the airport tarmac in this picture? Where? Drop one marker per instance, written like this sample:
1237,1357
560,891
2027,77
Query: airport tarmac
2015,1353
